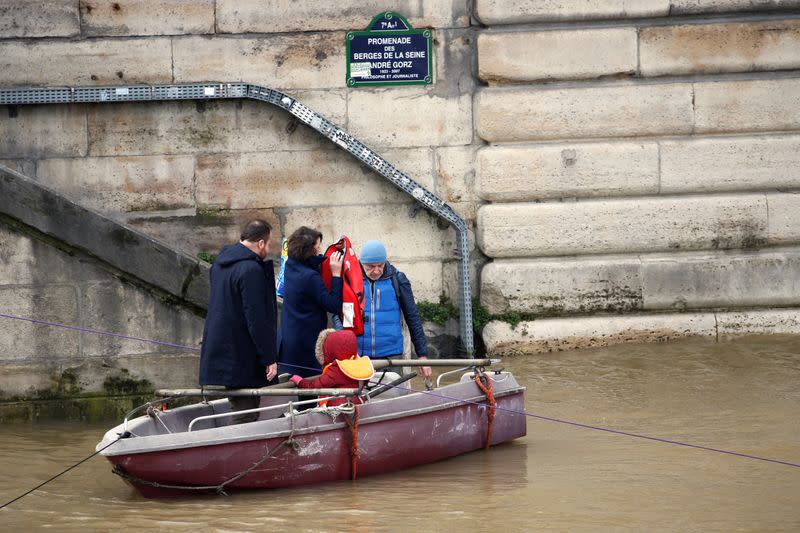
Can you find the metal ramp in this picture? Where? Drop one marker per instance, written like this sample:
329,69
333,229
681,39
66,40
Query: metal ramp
12,96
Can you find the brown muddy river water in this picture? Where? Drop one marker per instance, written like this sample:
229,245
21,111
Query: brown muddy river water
741,395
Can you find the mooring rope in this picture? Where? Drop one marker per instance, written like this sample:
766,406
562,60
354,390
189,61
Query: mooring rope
219,489
40,485
484,383
355,453
589,426
433,393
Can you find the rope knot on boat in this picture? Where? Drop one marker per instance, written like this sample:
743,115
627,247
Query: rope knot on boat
354,452
484,383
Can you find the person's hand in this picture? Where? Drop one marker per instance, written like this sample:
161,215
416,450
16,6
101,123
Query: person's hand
272,371
296,379
424,370
337,258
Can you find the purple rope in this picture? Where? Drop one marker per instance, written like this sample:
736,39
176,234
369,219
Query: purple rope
525,413
98,332
587,426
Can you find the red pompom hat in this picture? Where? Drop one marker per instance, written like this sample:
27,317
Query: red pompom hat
337,345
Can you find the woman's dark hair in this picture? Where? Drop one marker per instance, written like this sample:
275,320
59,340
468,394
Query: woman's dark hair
255,230
302,242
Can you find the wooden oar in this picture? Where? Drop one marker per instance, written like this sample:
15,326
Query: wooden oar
263,391
382,362
288,388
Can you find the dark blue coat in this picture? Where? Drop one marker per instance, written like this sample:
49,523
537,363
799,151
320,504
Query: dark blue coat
304,314
239,334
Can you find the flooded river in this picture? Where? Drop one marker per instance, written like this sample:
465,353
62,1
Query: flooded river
741,395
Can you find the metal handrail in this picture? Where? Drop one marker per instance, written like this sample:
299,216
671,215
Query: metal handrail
13,96
136,409
254,410
443,374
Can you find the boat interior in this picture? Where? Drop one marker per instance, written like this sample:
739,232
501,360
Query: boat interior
209,414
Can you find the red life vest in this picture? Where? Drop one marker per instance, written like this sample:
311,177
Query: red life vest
352,313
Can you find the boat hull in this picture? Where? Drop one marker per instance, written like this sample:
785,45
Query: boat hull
387,439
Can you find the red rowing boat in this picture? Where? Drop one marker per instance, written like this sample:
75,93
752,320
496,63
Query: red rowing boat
193,448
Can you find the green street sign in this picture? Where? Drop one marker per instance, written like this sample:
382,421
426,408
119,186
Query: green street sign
389,52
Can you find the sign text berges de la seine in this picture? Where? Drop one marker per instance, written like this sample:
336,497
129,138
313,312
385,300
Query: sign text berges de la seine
390,52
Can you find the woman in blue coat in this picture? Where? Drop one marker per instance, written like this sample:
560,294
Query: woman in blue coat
306,302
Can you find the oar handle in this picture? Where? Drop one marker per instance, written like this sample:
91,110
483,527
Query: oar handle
265,391
380,362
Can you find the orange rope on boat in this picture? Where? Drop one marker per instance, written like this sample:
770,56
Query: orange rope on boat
487,390
354,453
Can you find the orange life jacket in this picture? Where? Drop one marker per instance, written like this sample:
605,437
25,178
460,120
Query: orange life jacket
352,312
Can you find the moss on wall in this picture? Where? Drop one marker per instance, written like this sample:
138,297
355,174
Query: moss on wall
440,313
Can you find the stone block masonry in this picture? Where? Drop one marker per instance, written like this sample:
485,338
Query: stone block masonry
37,131
562,55
618,202
627,170
634,225
622,168
66,285
146,17
278,16
518,114
559,334
711,48
120,184
646,282
88,62
501,12
287,61
637,50
524,172
32,18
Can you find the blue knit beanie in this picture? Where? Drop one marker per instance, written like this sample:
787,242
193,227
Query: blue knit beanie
373,252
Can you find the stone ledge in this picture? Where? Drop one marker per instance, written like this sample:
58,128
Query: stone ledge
147,17
631,225
575,169
744,163
652,282
559,334
33,18
745,106
491,12
556,55
541,113
123,248
695,7
515,114
282,16
497,12
714,48
572,169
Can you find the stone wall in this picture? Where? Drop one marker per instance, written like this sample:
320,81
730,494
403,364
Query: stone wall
189,173
640,170
629,168
69,273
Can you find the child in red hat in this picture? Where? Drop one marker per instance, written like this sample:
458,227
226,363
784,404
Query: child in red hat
337,352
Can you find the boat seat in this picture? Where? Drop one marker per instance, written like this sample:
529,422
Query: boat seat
389,377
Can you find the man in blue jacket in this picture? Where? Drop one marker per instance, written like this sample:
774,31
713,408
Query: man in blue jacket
238,349
388,300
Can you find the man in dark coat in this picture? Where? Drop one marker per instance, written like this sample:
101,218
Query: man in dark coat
239,348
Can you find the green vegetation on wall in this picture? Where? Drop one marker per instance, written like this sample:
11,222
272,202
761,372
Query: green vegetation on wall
443,311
